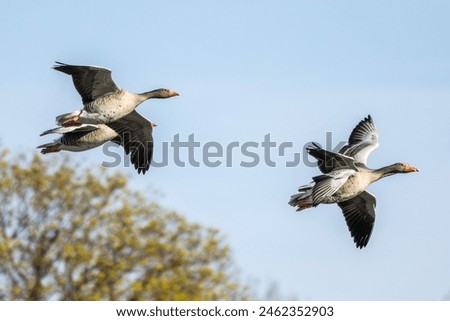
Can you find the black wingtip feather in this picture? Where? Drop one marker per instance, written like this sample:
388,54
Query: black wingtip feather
58,64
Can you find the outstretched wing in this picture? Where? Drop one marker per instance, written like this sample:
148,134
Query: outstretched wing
359,213
91,82
330,161
135,135
362,141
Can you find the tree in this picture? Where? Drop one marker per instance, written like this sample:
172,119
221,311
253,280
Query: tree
71,233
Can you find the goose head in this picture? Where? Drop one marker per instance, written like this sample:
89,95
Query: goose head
404,168
163,93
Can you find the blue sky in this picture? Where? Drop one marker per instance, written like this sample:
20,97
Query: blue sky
244,69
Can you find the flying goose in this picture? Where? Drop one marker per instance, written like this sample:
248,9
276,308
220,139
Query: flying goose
345,179
78,138
133,132
103,100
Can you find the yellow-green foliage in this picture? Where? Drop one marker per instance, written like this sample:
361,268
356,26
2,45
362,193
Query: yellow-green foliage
68,233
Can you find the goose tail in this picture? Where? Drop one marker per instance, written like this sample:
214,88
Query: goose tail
303,199
61,119
52,147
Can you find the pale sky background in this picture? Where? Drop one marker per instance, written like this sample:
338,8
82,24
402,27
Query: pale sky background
294,69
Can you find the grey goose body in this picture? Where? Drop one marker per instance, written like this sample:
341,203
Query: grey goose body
103,101
345,177
133,132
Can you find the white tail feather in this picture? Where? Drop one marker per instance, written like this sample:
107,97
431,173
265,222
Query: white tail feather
303,199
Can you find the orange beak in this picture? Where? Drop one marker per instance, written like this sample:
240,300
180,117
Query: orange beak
174,93
410,168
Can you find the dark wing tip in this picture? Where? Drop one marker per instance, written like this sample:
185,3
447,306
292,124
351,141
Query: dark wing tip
359,213
363,128
361,233
142,170
313,146
361,242
59,64
367,121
